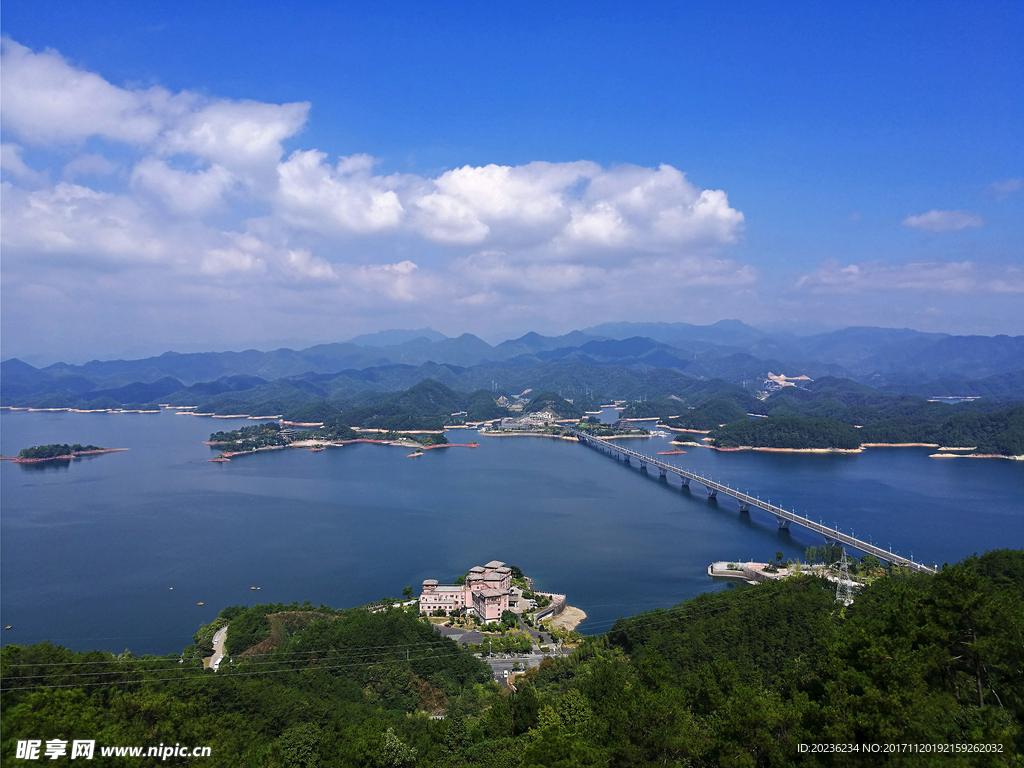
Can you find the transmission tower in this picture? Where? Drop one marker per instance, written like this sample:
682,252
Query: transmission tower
844,594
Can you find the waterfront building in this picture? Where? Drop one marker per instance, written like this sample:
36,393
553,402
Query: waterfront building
484,595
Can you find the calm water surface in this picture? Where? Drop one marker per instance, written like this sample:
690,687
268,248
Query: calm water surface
90,549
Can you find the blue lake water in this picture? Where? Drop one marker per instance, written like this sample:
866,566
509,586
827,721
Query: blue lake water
89,549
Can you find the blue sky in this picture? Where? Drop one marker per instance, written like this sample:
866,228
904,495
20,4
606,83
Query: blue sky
172,172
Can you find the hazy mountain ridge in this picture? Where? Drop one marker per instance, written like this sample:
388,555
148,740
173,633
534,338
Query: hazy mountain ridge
897,360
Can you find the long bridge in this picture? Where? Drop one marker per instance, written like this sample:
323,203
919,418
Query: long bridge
746,502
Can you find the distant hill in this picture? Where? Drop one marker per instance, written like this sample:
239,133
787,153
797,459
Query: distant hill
394,337
724,332
624,360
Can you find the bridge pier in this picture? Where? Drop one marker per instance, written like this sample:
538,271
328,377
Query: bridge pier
830,538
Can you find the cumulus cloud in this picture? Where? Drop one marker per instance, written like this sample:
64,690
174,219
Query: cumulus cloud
196,199
924,277
240,135
183,192
73,221
542,209
470,205
341,200
629,207
943,221
47,100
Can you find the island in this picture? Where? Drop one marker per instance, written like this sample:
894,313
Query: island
55,451
277,435
998,434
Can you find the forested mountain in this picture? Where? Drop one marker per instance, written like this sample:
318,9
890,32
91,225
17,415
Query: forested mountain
741,677
670,373
890,359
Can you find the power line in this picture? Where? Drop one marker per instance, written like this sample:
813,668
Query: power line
681,611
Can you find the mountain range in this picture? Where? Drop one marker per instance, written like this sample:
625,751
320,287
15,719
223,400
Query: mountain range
623,360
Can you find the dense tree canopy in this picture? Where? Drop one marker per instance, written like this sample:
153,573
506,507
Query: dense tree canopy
54,450
741,677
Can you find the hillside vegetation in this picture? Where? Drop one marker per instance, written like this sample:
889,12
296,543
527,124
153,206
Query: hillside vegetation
741,677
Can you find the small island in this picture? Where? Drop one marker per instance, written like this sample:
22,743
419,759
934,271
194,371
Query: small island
275,435
58,451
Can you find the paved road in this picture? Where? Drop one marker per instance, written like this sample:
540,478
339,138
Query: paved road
218,647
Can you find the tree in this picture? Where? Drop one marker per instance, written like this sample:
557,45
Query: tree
395,753
407,592
300,746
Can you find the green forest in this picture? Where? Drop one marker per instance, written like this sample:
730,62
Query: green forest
1000,433
250,438
786,432
822,415
735,678
554,403
54,450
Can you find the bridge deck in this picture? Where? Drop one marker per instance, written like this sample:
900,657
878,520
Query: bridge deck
784,516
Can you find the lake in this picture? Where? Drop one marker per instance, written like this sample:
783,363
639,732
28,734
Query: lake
90,549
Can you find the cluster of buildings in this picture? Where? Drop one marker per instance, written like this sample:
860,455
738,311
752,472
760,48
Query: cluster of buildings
487,593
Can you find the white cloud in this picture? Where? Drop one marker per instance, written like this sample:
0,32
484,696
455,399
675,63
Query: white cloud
943,221
10,161
344,200
923,277
48,101
499,273
74,221
240,135
88,165
1001,190
182,192
213,211
402,282
223,261
630,207
470,205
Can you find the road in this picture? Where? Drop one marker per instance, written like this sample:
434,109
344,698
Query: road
218,647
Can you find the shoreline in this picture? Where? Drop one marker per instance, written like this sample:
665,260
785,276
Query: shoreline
901,445
319,445
785,450
525,434
974,456
865,446
569,618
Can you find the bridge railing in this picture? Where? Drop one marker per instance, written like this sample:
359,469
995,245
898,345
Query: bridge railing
830,534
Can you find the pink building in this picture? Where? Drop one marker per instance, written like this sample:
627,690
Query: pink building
485,593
